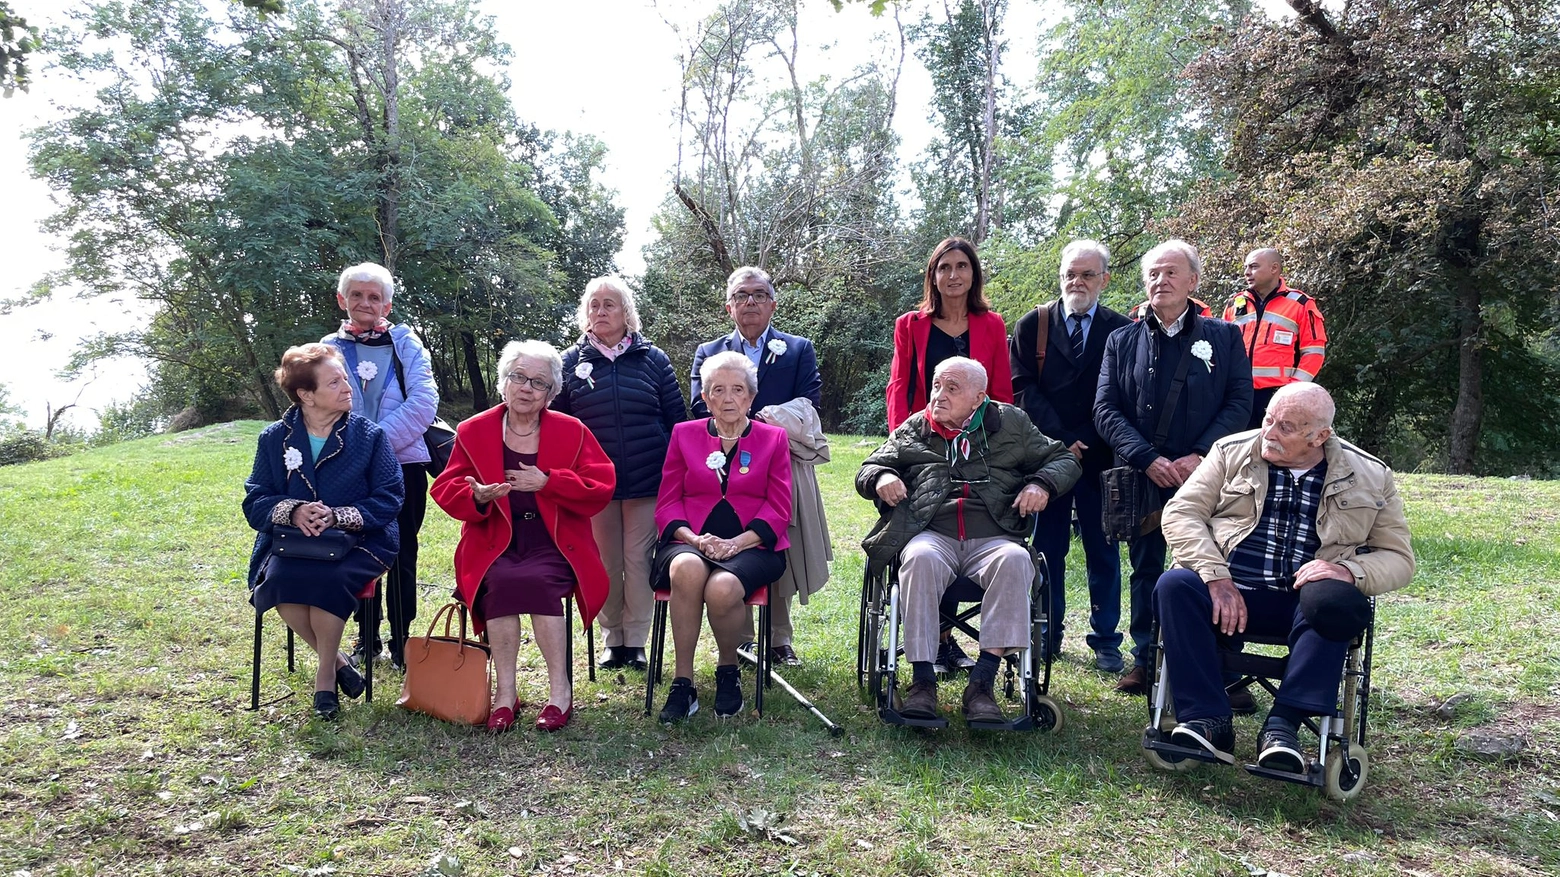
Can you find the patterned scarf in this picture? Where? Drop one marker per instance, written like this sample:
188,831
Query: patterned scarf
959,439
616,350
377,336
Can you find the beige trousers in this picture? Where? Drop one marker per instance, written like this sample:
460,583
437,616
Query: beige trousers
625,533
929,564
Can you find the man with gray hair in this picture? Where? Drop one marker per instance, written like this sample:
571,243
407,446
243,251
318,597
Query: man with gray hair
953,485
1171,385
1057,351
789,392
1283,531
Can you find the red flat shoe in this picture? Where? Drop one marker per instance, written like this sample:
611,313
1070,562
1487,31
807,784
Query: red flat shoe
500,719
552,718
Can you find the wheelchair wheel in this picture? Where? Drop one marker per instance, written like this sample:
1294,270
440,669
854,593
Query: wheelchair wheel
1345,777
1048,714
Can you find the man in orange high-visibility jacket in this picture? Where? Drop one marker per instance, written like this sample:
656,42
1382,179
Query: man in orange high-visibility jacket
1281,328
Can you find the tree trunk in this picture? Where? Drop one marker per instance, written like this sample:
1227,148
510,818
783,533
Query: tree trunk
1468,413
479,396
392,17
991,14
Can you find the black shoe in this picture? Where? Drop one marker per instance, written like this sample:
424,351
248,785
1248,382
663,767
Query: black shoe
1241,701
634,658
950,658
349,680
326,706
361,654
611,658
1278,747
1108,660
398,654
920,701
728,691
1215,734
785,656
681,702
979,704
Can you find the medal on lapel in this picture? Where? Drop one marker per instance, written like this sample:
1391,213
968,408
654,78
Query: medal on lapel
744,459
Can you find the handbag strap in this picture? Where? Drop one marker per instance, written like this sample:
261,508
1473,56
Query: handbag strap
1163,432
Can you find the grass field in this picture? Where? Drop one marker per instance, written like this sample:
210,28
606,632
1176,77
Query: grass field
126,748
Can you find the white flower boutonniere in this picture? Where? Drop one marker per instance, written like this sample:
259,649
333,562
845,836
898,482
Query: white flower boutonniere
717,463
776,349
1204,351
582,371
292,458
367,371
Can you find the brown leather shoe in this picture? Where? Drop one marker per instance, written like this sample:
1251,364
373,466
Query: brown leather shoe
785,656
979,705
920,701
1135,682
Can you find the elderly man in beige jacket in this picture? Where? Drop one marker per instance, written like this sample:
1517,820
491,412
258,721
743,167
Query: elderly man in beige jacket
1281,531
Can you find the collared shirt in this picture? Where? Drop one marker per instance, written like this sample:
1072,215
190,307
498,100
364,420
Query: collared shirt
1086,319
1285,537
753,352
1172,328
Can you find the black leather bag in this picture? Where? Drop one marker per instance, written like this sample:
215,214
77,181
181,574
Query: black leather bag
1129,505
439,436
331,545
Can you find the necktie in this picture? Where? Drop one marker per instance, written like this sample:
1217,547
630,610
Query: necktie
1076,335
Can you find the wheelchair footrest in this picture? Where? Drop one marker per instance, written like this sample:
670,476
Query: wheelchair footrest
892,716
1311,777
1022,723
1180,753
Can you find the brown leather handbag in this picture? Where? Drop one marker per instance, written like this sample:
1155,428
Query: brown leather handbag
447,675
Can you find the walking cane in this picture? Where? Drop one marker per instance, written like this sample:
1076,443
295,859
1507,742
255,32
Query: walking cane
751,658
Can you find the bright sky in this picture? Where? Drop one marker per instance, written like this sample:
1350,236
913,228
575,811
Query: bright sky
603,67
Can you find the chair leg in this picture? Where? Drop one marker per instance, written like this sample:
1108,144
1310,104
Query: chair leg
292,664
590,648
254,672
657,642
366,633
568,642
761,677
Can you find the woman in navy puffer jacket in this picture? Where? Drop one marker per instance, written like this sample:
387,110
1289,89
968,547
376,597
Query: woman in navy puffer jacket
624,390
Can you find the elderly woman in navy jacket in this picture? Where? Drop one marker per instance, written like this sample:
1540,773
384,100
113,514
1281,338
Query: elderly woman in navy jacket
623,389
321,466
395,389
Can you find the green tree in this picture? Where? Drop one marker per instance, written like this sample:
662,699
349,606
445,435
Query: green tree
1405,164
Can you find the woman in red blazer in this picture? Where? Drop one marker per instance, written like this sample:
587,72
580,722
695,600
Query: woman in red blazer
954,319
524,483
723,509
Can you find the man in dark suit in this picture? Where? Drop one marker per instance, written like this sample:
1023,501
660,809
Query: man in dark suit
787,371
1137,382
1057,391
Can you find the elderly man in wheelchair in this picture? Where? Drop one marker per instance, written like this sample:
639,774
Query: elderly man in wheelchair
953,485
1285,532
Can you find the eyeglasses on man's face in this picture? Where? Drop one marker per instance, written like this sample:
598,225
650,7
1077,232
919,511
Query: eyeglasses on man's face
750,298
536,384
1085,276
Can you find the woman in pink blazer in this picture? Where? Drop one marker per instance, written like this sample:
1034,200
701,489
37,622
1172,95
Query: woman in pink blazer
722,512
954,319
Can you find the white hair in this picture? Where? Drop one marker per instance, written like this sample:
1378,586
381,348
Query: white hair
367,272
730,359
973,371
1312,398
618,287
1180,248
1085,247
746,273
536,350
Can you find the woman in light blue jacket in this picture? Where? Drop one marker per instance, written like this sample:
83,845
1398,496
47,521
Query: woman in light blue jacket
394,387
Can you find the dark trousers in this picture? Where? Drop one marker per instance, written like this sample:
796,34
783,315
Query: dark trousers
1259,403
1102,559
399,593
1147,554
1192,645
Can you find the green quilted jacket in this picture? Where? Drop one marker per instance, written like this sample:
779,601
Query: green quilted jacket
1017,454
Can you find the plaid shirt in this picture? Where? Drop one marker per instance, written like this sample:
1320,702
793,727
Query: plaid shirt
1285,538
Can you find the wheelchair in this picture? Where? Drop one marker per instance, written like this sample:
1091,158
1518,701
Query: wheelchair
1341,763
1025,676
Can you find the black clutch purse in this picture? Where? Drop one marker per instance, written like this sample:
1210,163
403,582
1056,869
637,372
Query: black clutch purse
332,545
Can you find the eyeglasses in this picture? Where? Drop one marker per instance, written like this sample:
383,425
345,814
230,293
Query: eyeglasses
751,298
537,384
1086,276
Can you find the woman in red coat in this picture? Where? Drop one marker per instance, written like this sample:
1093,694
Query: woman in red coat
954,319
723,510
524,483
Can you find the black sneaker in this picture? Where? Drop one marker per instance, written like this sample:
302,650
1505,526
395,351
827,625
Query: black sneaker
326,706
728,691
398,654
920,701
950,658
1241,701
360,654
1215,734
1278,747
681,702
